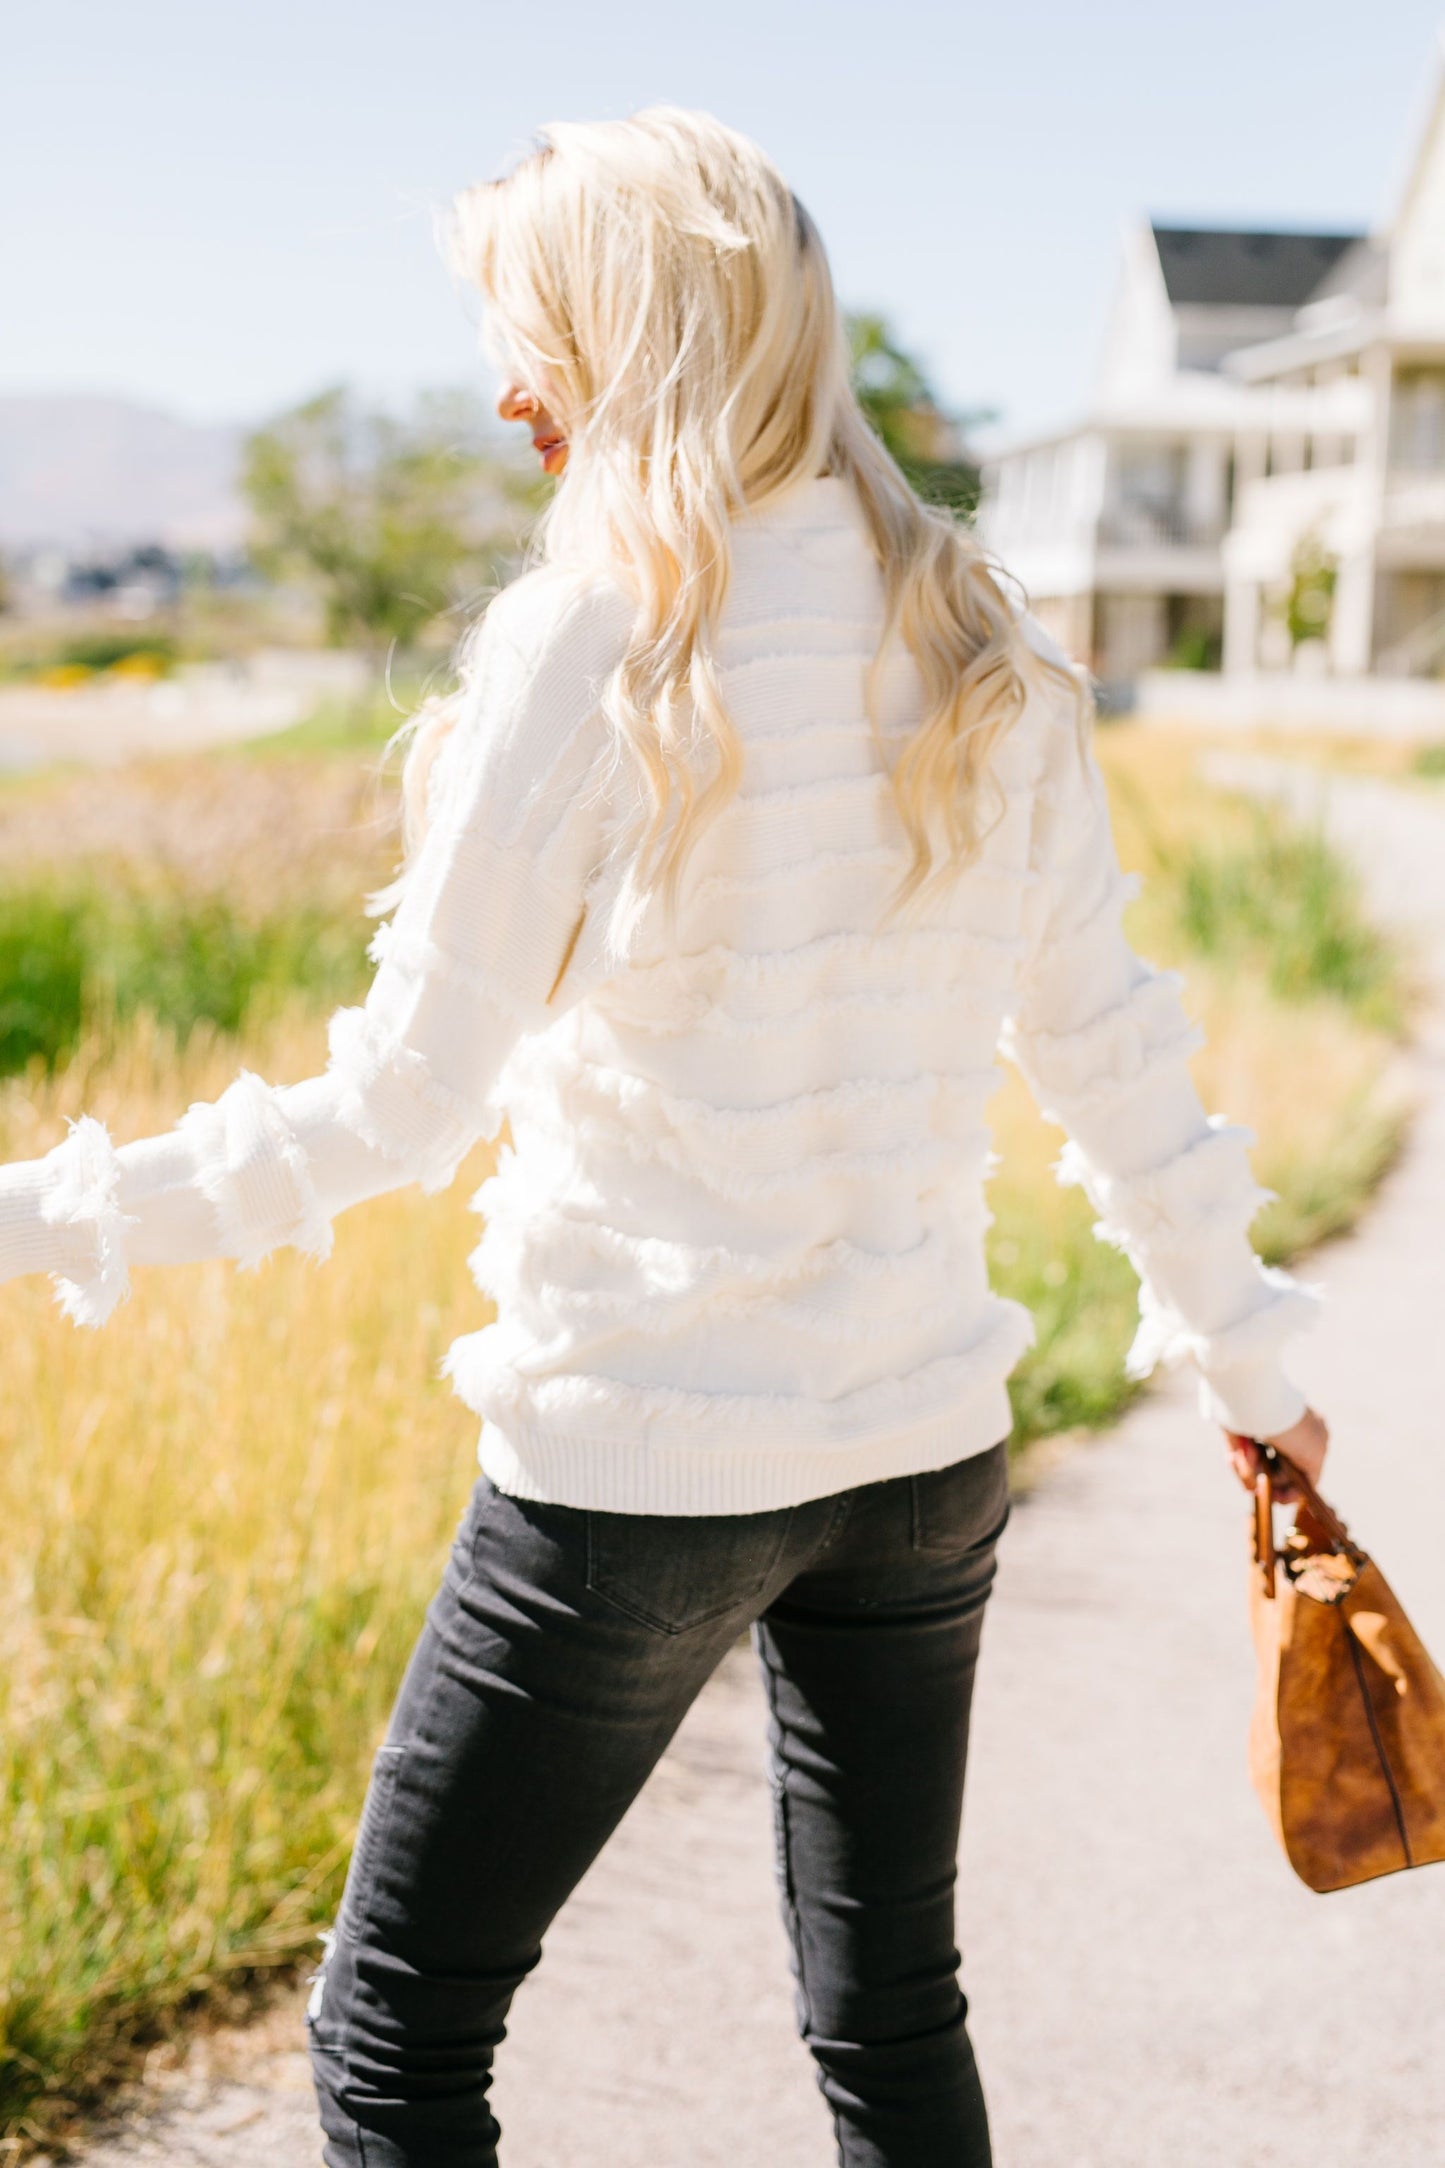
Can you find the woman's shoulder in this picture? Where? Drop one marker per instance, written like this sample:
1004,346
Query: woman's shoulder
533,675
557,612
535,667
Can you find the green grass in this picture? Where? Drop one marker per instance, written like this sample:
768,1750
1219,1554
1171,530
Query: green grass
362,724
89,949
234,1508
1285,902
1084,1298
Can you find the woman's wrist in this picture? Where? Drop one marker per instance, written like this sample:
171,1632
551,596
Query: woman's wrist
29,1241
1254,1400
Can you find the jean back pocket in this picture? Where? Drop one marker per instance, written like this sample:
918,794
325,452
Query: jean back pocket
674,1572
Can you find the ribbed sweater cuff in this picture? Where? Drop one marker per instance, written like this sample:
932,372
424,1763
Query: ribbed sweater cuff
28,1242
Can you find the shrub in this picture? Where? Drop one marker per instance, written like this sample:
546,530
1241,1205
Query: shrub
1283,899
1198,647
42,977
109,952
151,653
103,650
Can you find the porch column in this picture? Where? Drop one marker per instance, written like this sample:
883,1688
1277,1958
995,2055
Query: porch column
1352,627
1241,626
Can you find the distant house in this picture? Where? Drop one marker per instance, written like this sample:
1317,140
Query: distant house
1259,480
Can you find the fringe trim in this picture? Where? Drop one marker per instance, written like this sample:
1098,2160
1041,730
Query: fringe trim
1208,1184
417,957
929,1154
769,658
823,730
1164,1337
788,797
515,854
83,1193
917,949
697,1011
446,1124
508,1195
506,1266
911,969
488,1385
914,1096
767,619
1085,1068
792,870
223,1136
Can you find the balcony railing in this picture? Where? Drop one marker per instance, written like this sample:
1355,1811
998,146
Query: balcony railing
1156,527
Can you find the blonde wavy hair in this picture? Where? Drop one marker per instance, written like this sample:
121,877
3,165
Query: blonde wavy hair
660,289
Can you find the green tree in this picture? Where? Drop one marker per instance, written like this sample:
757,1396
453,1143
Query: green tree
894,392
389,520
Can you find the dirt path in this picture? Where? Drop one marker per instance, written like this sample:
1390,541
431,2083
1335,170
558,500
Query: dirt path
1150,1984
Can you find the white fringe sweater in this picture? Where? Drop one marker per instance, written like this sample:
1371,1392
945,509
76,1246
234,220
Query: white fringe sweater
736,1245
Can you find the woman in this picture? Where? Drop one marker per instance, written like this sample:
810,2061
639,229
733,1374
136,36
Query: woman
763,818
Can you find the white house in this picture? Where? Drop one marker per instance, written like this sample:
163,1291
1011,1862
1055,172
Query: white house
1259,480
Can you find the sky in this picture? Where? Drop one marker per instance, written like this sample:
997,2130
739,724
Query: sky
221,210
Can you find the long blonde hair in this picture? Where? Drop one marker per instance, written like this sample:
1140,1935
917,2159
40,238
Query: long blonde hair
658,286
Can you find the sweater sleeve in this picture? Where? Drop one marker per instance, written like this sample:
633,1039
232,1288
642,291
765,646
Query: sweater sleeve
1103,1040
474,957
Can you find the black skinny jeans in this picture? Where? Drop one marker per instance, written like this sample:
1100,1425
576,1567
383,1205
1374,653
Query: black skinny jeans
557,1660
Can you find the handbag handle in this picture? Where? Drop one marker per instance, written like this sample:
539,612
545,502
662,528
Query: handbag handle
1264,1529
1323,1516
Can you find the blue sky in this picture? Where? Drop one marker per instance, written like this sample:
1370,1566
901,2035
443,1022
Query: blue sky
221,210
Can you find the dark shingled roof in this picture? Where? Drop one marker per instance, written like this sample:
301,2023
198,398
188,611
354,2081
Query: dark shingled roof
1205,267
1363,270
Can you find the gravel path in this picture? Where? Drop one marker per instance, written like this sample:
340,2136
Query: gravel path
1150,1984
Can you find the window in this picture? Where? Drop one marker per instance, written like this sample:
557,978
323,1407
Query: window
1147,499
1417,425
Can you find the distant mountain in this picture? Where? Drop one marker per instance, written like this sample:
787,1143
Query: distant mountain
84,471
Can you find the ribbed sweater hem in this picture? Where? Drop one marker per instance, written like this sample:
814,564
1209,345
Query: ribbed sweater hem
606,1477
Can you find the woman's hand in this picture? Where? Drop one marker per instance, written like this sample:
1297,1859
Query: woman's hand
1305,1443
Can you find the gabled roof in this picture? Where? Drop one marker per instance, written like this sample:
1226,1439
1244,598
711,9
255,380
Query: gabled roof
1206,267
1362,273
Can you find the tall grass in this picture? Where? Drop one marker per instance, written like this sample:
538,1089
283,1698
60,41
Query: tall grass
104,951
227,1512
1285,902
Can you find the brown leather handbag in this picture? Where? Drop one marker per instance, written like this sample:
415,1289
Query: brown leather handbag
1347,1745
